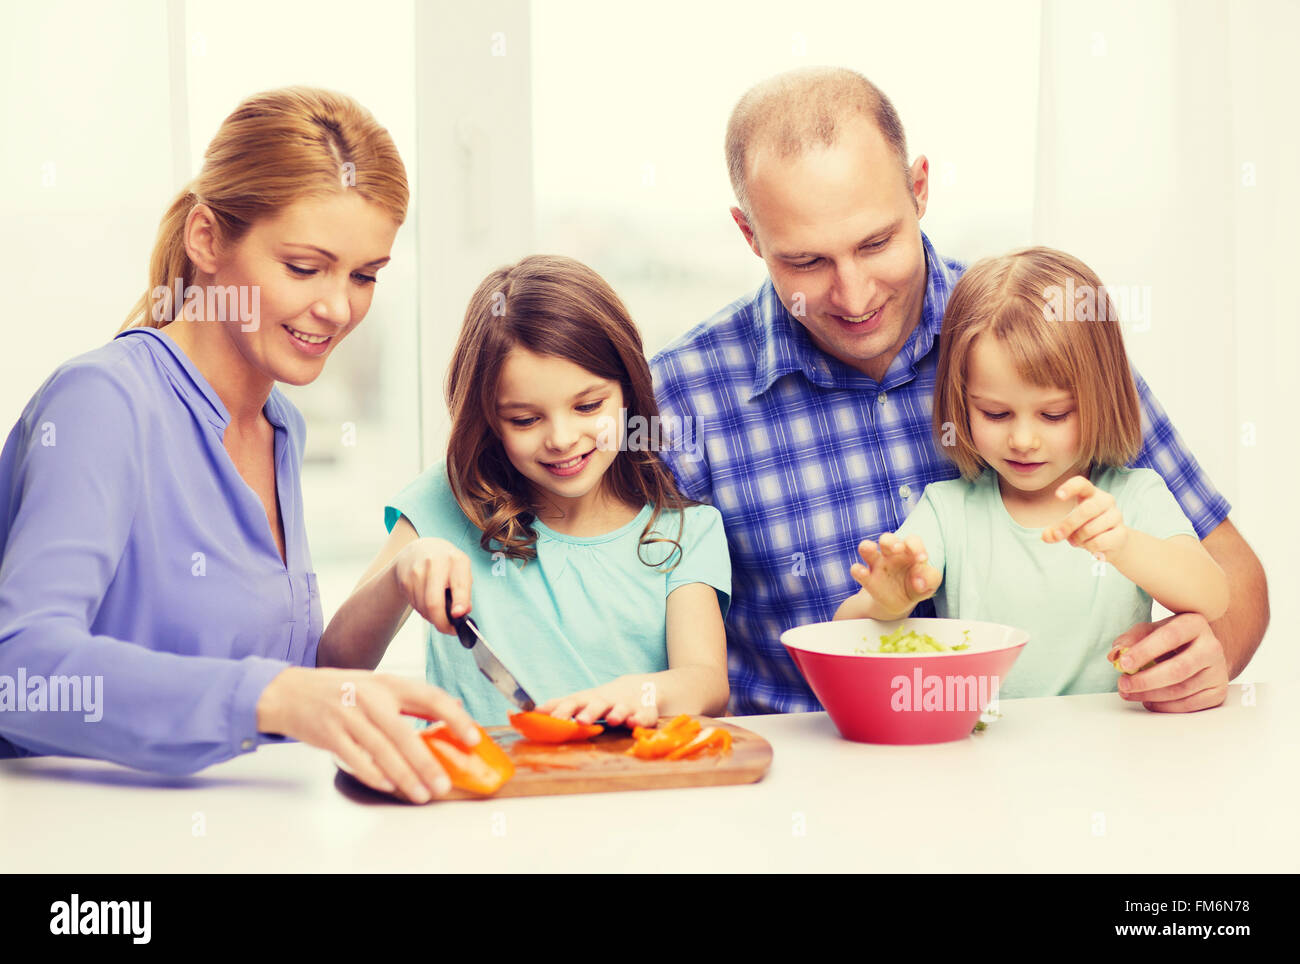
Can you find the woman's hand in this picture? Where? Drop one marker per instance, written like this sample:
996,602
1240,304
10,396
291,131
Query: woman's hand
627,701
357,715
424,570
1095,524
895,575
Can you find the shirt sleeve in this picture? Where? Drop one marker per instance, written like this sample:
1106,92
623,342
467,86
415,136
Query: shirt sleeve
1164,451
704,555
70,486
1148,506
924,521
682,429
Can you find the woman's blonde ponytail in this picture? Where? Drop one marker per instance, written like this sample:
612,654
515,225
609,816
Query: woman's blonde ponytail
168,261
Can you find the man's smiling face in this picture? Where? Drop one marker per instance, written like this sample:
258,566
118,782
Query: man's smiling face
839,230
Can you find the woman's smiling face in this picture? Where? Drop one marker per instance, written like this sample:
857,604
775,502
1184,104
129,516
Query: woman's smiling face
310,272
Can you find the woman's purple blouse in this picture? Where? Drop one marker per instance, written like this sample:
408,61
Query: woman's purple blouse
143,602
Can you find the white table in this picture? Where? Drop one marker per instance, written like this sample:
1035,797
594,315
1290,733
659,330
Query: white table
1079,784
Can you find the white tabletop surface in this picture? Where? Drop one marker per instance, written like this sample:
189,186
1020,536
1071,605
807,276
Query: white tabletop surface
1073,784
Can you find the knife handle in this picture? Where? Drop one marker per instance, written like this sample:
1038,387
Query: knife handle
461,625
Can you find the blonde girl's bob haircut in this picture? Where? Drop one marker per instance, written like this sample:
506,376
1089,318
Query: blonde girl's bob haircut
277,148
1059,326
548,305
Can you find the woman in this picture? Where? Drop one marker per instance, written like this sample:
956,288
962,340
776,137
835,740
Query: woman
151,525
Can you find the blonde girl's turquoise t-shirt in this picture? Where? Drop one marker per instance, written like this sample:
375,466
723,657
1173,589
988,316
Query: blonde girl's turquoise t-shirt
1072,605
582,613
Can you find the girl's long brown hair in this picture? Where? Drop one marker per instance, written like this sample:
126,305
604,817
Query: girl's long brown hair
548,305
277,148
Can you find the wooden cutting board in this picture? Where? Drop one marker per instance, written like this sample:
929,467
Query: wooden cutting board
600,764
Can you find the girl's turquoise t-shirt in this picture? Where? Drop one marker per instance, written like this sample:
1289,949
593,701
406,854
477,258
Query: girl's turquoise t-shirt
1073,606
582,613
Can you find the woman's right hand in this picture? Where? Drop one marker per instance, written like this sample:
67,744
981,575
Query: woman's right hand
424,570
895,575
358,716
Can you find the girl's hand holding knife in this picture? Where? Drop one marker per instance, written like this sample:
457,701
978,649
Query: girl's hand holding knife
425,571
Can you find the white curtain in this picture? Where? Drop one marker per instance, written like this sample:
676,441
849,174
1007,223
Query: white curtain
86,171
1167,157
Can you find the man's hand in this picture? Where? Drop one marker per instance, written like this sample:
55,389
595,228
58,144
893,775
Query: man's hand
1191,670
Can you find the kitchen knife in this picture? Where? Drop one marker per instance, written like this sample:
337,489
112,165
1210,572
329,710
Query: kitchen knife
487,662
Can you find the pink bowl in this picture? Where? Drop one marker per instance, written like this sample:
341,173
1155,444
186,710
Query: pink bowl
904,697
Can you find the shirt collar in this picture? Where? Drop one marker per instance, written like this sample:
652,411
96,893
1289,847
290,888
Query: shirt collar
198,392
784,345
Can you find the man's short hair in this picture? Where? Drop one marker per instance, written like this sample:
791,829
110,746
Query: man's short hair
796,110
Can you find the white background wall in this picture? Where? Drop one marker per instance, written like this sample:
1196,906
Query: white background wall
1155,140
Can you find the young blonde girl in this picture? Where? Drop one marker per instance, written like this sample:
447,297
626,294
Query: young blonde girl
596,583
1046,529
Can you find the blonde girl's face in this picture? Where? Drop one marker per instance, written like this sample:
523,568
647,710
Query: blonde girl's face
560,425
1028,434
313,269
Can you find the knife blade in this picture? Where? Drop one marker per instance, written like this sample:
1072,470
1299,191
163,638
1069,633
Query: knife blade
486,660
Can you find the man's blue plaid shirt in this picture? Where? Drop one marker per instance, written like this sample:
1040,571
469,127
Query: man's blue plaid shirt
805,457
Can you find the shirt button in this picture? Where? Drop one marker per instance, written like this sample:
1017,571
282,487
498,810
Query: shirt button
881,398
905,491
246,745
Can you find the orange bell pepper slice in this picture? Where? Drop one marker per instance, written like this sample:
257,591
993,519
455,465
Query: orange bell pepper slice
657,743
482,768
715,739
676,723
544,728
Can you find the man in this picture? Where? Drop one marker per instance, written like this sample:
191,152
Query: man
810,400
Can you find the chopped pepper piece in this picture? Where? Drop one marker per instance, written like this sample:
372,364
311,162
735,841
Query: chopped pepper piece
482,768
714,738
652,744
544,728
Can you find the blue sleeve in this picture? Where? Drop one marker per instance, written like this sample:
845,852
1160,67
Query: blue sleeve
70,482
684,451
704,555
1164,451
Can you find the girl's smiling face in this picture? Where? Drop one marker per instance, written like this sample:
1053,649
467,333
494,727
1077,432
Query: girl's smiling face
1028,434
313,268
557,421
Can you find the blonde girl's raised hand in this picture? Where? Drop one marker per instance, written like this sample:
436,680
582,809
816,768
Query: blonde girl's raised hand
1094,524
894,575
